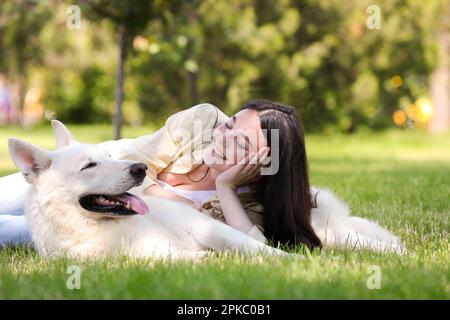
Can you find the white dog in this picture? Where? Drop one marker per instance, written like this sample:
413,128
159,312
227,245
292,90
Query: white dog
84,203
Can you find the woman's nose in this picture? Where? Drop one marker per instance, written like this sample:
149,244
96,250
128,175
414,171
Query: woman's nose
219,132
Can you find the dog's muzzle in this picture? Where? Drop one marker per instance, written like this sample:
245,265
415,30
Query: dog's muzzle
124,204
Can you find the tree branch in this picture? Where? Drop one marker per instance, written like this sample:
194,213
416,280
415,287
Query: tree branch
100,10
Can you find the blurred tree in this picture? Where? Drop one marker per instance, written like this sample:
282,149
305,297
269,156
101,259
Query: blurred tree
21,22
168,50
318,55
128,18
76,74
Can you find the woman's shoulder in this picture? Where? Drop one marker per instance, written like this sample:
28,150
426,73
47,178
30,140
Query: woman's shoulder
203,115
206,109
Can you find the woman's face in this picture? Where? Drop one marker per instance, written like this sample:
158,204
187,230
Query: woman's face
234,140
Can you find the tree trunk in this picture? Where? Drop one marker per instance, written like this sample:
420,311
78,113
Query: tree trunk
21,92
192,74
193,87
440,88
18,98
120,82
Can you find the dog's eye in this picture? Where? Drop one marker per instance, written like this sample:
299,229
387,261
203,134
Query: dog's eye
89,165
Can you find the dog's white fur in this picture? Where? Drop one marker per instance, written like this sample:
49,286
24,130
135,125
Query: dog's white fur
61,226
335,227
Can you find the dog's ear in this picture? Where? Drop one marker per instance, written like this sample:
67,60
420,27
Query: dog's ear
30,160
62,134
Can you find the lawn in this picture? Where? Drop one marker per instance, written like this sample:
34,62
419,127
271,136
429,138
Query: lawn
401,179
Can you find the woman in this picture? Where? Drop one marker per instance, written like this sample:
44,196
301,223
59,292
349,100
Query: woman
213,163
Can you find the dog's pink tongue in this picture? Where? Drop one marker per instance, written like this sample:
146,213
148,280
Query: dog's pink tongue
137,204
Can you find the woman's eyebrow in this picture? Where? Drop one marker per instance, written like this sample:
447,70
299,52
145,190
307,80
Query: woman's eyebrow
234,119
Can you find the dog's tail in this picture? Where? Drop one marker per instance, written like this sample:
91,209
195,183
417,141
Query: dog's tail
333,224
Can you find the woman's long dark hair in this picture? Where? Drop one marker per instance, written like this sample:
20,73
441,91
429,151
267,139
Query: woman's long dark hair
286,195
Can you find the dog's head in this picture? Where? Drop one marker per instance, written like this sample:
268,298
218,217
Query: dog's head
81,175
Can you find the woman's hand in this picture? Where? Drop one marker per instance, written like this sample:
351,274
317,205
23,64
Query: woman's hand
245,172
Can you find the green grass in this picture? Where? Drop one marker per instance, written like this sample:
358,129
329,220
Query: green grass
401,179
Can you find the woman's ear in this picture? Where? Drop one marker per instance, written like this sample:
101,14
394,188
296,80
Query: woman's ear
62,134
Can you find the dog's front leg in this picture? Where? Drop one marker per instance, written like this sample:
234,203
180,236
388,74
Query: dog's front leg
197,231
218,236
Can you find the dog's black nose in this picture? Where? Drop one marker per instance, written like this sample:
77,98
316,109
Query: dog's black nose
137,170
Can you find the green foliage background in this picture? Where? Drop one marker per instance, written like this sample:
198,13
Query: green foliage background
317,55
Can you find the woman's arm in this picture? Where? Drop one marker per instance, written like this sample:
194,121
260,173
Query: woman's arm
233,211
246,172
14,231
13,194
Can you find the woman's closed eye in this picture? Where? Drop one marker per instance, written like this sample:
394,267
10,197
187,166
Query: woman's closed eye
229,124
89,166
